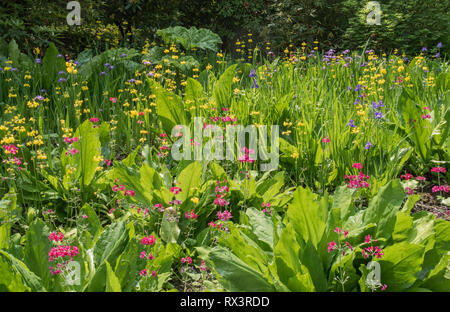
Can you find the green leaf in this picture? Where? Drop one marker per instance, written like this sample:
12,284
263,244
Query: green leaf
236,275
14,52
170,109
10,280
51,65
194,90
383,209
191,37
28,277
5,233
110,243
169,229
130,160
400,265
37,248
112,282
88,147
127,266
189,179
94,227
306,217
289,269
222,88
262,225
439,277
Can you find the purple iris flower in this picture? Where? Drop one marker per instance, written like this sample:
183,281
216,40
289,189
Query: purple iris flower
255,84
351,123
378,115
368,145
252,73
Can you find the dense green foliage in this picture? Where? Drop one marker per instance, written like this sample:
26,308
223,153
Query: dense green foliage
406,25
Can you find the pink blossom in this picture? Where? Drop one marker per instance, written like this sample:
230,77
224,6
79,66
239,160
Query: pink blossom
406,177
56,237
10,149
357,166
175,190
150,240
224,216
331,246
438,169
143,272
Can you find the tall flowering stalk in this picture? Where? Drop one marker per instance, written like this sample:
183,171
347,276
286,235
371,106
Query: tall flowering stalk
342,249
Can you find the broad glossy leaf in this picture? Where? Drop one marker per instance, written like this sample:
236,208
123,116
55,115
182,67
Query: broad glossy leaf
383,209
37,248
305,216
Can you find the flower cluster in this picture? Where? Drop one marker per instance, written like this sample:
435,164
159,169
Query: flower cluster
148,240
62,255
190,215
266,209
248,156
221,192
121,187
371,250
175,190
56,237
10,149
440,188
357,181
438,169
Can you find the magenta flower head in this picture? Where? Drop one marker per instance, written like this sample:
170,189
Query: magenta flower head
326,140
438,169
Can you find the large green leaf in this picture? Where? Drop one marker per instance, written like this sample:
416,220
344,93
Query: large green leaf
439,277
37,248
111,243
234,274
51,65
289,269
112,282
305,215
194,90
170,109
127,266
222,88
169,229
89,147
189,179
28,277
383,209
10,280
191,37
400,265
262,226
